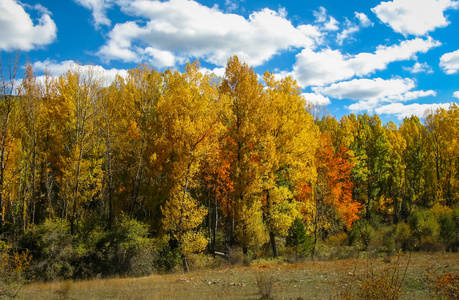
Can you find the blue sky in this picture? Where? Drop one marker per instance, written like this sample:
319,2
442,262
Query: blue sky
393,58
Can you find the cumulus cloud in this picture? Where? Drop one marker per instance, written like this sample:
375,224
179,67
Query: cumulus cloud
58,68
99,10
449,62
419,68
372,93
188,30
347,32
18,31
328,23
456,94
220,72
363,19
401,111
316,98
328,66
414,17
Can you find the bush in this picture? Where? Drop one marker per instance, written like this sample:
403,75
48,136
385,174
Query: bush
125,250
13,268
425,230
297,240
442,284
361,235
265,284
168,258
403,237
374,283
52,251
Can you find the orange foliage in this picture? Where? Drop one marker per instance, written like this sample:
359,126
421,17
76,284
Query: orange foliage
335,169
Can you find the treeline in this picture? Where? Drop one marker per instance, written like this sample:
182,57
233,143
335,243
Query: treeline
97,178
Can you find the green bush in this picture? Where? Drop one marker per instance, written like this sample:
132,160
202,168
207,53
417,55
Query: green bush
51,249
125,250
361,235
403,237
425,230
388,239
168,257
297,239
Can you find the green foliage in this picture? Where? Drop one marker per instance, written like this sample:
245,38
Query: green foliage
51,246
126,250
298,239
168,258
362,234
425,230
404,239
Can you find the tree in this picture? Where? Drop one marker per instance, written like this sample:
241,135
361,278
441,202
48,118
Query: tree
31,94
9,132
335,208
244,121
82,162
187,117
291,142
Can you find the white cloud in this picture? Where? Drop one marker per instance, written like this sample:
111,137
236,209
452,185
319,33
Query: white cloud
416,17
347,32
456,94
328,66
449,62
372,93
187,30
363,19
329,23
316,98
18,31
220,72
401,111
366,89
99,10
56,69
419,68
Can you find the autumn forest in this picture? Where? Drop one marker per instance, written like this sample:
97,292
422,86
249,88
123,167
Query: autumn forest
139,174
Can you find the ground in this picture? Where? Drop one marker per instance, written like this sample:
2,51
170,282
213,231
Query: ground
302,280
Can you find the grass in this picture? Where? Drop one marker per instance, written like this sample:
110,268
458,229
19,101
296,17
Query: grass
302,280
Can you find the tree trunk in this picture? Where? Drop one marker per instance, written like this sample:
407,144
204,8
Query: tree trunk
272,237
186,269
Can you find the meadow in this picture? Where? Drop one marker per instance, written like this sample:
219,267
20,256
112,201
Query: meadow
268,279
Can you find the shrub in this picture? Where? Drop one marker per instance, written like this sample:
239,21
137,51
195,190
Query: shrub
297,239
168,258
388,239
374,284
361,235
403,237
13,267
265,284
125,250
425,230
443,285
52,251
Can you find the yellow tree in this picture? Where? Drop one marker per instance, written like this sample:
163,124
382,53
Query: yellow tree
186,118
137,98
245,146
82,162
442,125
290,146
10,125
31,93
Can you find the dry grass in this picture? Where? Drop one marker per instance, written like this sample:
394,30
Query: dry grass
305,280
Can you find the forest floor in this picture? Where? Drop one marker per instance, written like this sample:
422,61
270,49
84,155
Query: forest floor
309,279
